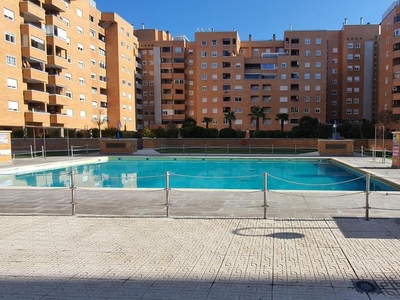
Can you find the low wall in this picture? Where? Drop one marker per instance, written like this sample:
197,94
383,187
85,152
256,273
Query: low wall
336,147
119,146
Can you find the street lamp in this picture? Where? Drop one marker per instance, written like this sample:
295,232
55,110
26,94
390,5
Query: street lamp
334,130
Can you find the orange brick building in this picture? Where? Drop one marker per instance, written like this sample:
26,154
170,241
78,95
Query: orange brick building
67,65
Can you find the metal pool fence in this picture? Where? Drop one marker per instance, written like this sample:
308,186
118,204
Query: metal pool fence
78,196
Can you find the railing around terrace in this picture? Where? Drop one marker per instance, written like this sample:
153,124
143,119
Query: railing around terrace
376,155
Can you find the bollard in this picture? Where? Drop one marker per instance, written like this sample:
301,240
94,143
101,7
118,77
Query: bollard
167,189
73,190
265,194
367,188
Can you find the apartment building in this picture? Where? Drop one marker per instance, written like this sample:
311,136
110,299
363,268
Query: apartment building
389,61
66,66
329,75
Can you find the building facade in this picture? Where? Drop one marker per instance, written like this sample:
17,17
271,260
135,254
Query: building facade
67,65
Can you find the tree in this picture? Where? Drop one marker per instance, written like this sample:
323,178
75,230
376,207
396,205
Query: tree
282,117
207,120
257,112
388,118
230,117
100,120
189,122
308,126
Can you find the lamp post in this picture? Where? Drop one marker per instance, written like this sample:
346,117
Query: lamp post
334,130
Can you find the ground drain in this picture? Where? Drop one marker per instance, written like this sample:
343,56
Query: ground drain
366,286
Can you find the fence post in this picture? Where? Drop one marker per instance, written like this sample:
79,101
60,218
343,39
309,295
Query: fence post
295,150
167,189
383,155
265,188
362,151
43,155
73,190
30,146
72,151
367,188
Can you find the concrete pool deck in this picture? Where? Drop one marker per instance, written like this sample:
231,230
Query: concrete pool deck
215,245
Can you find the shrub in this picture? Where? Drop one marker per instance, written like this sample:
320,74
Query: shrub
227,133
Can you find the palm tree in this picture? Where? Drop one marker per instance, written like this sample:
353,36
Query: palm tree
207,120
282,117
257,112
230,116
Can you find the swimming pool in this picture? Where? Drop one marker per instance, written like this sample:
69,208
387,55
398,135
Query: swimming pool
203,173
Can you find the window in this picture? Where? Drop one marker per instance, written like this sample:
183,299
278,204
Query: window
334,81
318,64
356,111
214,65
70,112
214,42
68,94
204,65
102,51
349,56
81,64
81,81
91,18
238,65
357,45
306,110
307,65
203,53
204,77
80,47
307,53
214,53
12,83
335,61
12,105
334,102
204,43
79,13
318,53
335,50
307,76
11,60
82,97
318,41
349,45
334,71
306,99
283,65
348,111
307,41
82,114
317,99
349,100
8,14
317,110
9,37
318,76
37,43
79,29
356,100
238,99
357,68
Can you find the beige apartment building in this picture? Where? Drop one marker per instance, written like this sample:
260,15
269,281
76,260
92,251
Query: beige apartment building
66,65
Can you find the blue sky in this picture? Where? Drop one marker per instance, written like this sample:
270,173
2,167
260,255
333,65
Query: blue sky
261,18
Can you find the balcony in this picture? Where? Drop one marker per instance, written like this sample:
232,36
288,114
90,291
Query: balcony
35,48
56,21
33,75
139,106
31,12
36,96
139,96
138,75
57,5
58,81
61,120
56,61
57,41
37,118
56,99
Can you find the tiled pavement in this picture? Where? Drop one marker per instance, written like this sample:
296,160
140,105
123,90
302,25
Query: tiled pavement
311,246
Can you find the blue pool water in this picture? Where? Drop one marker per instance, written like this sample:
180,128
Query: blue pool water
205,174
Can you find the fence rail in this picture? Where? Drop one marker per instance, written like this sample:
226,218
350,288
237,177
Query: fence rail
261,202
